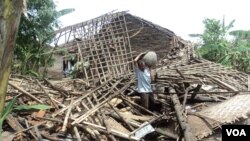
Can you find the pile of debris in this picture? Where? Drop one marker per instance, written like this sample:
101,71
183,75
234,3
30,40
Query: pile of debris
192,101
90,114
210,95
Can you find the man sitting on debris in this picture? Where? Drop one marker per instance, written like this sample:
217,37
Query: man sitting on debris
144,76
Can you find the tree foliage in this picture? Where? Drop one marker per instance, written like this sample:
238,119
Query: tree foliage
217,48
214,42
35,36
240,53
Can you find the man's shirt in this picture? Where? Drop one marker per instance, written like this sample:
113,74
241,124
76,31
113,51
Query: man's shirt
143,80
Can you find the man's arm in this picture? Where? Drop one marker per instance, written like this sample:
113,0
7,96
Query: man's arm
152,74
138,57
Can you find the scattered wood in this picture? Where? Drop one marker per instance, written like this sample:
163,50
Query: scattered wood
24,92
166,133
62,91
30,131
222,83
45,92
110,109
39,136
16,126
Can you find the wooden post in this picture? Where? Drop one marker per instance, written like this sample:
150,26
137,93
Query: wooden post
181,119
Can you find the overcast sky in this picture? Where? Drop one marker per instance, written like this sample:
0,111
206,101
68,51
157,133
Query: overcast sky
181,16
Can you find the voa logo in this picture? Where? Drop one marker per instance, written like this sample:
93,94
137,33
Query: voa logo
236,132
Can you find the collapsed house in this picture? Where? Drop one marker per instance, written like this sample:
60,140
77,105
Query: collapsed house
194,97
117,36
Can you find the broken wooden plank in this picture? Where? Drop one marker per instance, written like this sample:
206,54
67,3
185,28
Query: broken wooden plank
65,122
45,92
114,132
78,100
62,91
78,137
122,118
15,125
25,92
166,133
39,136
181,119
222,83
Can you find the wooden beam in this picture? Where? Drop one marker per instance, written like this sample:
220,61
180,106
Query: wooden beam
181,119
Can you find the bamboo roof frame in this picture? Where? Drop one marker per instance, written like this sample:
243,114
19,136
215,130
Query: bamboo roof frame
103,43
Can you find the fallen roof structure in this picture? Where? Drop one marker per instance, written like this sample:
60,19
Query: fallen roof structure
112,108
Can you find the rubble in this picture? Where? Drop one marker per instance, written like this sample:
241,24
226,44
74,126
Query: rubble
112,111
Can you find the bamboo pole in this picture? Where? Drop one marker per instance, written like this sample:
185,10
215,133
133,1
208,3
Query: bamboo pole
166,133
45,92
78,137
25,92
65,123
181,119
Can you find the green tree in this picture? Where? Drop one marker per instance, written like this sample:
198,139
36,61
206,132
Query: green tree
240,49
35,36
216,47
10,12
214,43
